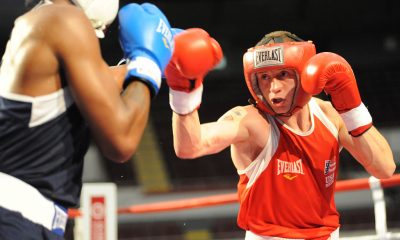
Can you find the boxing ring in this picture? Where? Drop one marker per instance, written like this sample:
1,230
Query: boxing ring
97,217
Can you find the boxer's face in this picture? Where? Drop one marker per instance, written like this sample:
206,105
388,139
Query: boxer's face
278,87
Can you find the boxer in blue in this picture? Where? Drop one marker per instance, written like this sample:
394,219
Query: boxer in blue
57,93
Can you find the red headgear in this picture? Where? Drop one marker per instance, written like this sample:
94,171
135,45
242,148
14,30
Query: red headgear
292,55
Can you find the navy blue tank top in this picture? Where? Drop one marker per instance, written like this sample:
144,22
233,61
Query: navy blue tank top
43,141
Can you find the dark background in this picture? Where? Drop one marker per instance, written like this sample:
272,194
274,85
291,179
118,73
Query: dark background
366,33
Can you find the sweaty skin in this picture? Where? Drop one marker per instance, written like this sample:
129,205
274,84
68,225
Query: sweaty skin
57,40
279,157
245,131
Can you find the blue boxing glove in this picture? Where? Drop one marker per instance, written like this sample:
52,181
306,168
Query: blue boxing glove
147,42
174,32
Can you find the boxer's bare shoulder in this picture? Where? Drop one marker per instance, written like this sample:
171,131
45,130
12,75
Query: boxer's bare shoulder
38,40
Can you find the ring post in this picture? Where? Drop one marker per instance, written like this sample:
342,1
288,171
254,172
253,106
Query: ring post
99,209
379,207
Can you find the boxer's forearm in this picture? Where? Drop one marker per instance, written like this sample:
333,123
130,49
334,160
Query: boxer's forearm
374,153
187,134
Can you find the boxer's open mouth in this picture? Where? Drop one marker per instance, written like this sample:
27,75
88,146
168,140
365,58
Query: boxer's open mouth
277,100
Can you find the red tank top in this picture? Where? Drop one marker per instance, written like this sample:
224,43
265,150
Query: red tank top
288,190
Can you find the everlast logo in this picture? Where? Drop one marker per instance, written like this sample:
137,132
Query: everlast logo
270,56
290,167
166,32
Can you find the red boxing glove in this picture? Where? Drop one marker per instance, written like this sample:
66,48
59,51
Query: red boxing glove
333,74
195,54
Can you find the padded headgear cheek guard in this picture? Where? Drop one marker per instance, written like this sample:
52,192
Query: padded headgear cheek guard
288,55
101,13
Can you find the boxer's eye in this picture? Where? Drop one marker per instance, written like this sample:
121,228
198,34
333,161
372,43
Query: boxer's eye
283,74
264,77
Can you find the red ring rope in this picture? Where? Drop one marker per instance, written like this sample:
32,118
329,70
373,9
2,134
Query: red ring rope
343,185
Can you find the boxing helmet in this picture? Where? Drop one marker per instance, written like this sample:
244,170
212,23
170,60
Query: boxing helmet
277,55
101,13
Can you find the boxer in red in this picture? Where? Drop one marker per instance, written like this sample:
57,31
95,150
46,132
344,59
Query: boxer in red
286,144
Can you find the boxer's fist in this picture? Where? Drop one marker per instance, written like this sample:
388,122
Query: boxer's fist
195,54
333,74
146,39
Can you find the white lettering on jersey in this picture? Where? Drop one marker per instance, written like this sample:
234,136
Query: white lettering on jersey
330,166
329,171
290,167
329,180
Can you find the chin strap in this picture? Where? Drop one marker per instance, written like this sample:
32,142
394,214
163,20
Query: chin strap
272,113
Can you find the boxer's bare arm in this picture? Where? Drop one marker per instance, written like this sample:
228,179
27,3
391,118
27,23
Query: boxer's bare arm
192,139
117,123
372,150
119,73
